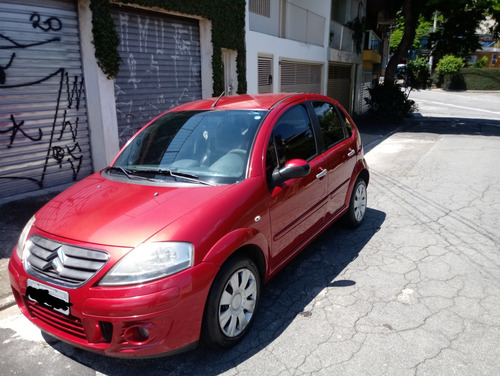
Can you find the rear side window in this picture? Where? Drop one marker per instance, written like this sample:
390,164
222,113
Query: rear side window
330,122
292,137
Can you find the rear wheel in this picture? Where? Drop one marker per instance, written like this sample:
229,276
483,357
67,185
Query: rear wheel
357,206
231,303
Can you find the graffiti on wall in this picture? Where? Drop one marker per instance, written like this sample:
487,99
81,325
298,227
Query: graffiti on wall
58,140
161,68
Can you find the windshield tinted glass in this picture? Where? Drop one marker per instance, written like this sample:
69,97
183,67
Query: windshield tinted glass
212,146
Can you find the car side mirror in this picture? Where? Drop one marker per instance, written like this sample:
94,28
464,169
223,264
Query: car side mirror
294,168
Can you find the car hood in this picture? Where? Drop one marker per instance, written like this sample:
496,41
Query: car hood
102,211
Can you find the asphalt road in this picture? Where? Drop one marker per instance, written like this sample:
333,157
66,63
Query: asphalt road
414,291
466,104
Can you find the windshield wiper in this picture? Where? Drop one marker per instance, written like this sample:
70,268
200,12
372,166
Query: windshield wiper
121,169
177,174
128,173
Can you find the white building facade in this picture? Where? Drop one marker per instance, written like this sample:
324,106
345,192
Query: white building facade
304,46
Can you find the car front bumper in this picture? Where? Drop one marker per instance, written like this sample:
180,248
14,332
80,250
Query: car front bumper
159,317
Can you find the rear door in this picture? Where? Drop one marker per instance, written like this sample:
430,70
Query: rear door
339,150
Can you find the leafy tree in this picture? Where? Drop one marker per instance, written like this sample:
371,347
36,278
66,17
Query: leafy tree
456,33
422,34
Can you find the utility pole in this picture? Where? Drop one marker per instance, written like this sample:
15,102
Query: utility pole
431,59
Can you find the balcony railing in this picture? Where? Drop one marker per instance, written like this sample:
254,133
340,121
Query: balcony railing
341,37
305,26
296,23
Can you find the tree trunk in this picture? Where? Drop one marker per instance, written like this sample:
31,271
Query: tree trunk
411,13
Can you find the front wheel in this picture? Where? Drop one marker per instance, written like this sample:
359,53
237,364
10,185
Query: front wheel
357,206
231,303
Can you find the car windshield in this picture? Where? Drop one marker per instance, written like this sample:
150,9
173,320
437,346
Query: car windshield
192,146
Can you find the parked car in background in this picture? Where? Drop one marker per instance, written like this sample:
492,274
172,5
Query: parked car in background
173,241
402,75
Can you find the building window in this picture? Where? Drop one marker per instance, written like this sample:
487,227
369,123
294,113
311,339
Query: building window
493,60
260,7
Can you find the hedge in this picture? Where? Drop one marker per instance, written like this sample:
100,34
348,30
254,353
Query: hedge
481,78
470,79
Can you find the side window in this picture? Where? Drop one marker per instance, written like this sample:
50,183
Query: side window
292,138
348,125
330,123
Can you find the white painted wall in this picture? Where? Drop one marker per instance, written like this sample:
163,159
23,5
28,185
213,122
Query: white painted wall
280,48
100,96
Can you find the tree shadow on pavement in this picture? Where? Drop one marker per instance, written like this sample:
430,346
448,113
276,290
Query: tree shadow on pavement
375,130
453,126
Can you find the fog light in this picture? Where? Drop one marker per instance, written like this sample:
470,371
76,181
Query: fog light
136,334
143,333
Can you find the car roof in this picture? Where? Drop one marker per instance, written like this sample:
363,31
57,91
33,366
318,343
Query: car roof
245,101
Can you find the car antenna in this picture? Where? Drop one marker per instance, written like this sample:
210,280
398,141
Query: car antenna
220,96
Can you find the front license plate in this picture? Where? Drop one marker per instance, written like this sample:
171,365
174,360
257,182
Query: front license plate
48,297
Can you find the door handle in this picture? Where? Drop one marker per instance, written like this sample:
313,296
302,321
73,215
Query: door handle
321,174
351,153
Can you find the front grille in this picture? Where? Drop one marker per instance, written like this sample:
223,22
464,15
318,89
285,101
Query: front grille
68,324
62,264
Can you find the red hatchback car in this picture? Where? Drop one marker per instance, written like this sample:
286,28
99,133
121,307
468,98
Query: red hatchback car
172,242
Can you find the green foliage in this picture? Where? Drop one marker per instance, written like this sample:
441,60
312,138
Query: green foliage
358,27
481,78
456,34
449,64
482,63
106,40
418,70
456,29
448,73
396,37
389,99
423,31
228,31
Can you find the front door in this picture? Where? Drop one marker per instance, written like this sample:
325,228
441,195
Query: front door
297,206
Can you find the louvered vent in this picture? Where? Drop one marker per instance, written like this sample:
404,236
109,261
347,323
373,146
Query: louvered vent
265,75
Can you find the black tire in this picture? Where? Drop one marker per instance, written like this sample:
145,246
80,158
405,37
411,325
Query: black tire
357,206
232,303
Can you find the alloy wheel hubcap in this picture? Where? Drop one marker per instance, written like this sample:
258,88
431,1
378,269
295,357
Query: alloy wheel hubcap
360,202
237,302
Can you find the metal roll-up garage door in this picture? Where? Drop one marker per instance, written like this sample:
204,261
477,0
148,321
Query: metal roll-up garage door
44,137
160,68
339,84
300,77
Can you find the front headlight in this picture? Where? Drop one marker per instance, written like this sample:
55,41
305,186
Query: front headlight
150,261
24,235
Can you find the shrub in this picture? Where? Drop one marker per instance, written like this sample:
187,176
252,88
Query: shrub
448,69
483,63
389,99
418,71
449,64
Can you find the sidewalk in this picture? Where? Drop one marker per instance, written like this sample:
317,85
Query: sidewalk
14,215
